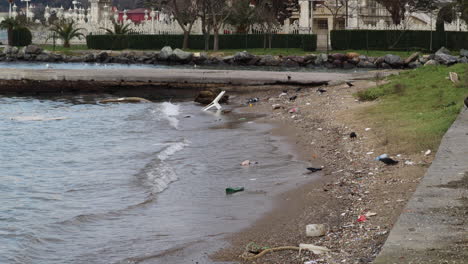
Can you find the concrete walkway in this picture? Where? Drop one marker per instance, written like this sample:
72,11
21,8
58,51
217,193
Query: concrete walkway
233,77
433,227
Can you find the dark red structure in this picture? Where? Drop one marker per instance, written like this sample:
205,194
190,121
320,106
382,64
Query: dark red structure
135,15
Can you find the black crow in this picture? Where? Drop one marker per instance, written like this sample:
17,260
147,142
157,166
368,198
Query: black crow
292,98
353,135
389,161
289,77
314,169
349,84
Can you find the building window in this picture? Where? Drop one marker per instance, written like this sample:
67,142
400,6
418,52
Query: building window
322,24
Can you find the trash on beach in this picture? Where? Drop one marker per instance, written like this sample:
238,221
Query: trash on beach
362,218
319,129
293,98
454,77
367,129
283,94
231,190
293,110
276,106
370,153
242,118
316,230
315,249
245,163
387,160
409,162
311,169
225,111
428,152
310,262
253,100
370,214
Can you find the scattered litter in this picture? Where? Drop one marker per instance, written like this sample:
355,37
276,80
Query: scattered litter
231,190
400,200
428,152
399,155
319,129
293,110
315,249
250,122
307,103
362,218
316,230
370,214
245,163
253,179
253,100
383,156
367,129
276,106
454,77
311,262
370,153
283,94
293,98
293,116
409,163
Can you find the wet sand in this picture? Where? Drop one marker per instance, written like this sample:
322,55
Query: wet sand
352,183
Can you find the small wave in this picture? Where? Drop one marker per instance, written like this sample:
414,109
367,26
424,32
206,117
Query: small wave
172,149
170,112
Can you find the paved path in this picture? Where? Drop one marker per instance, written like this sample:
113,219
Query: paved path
433,227
177,76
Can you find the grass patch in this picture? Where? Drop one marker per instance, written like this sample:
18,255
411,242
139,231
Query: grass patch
417,107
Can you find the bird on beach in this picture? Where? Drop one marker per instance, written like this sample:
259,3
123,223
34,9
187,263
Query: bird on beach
388,161
289,77
314,169
299,89
349,84
353,135
293,98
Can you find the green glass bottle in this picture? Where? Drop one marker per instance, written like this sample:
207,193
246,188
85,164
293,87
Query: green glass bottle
231,190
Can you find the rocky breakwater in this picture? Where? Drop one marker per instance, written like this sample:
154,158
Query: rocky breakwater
168,56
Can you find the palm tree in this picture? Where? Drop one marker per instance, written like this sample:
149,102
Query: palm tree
10,24
66,31
119,29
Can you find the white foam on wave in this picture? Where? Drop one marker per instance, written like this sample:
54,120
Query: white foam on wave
170,112
161,176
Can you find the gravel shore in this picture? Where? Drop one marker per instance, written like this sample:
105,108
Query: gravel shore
319,124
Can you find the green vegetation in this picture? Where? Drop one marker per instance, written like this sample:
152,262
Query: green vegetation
398,40
18,34
118,29
416,107
66,31
232,41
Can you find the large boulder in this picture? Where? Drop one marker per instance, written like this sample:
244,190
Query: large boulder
181,56
463,60
446,59
414,64
10,50
165,53
44,57
243,57
443,50
101,56
207,96
33,49
431,62
321,59
366,64
393,60
269,60
412,57
200,57
339,57
464,53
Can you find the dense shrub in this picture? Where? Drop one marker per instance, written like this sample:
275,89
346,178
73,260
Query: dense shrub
21,37
237,41
397,40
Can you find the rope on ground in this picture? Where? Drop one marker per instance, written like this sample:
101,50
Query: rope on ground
266,251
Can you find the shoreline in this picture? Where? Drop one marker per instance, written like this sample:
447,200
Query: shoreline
352,183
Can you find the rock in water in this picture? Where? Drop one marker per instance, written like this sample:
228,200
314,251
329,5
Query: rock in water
388,161
125,100
314,169
181,56
165,53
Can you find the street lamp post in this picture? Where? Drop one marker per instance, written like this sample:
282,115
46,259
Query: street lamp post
10,2
27,8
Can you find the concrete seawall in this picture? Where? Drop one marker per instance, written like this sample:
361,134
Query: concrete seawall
433,227
166,81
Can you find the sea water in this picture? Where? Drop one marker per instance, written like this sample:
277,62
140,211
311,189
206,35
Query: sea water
83,182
